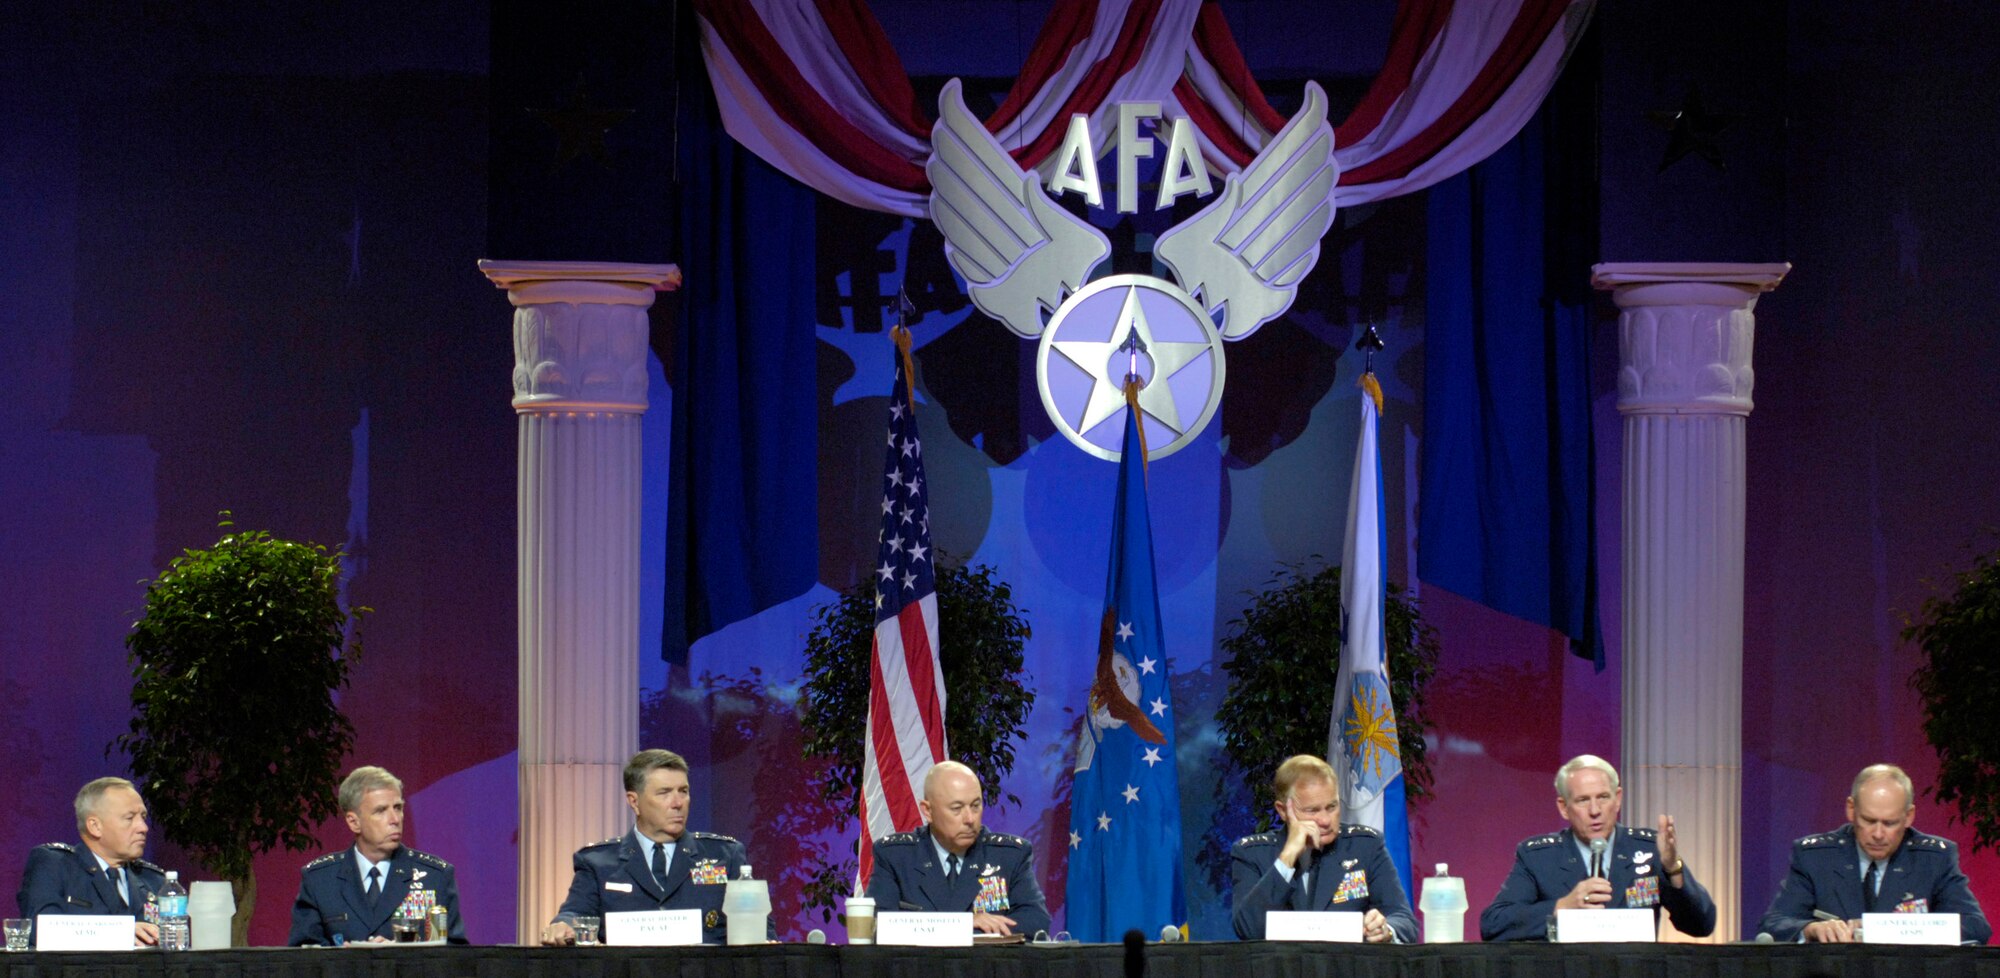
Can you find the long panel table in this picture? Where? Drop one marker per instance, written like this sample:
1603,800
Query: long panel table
1201,960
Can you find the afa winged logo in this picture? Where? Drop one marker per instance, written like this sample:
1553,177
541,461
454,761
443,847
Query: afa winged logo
1027,261
1019,252
1245,253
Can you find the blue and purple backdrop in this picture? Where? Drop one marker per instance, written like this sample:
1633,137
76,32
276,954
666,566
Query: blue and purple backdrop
236,255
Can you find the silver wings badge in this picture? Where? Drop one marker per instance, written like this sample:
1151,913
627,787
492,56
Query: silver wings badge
1019,252
1237,264
1244,254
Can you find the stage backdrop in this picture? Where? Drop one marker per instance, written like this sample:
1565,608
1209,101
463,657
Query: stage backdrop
238,253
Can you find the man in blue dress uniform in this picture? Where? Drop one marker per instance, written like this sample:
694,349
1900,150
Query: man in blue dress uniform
350,896
1569,870
659,865
104,876
1876,863
1316,863
953,864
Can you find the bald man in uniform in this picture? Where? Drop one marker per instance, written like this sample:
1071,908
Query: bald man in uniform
953,863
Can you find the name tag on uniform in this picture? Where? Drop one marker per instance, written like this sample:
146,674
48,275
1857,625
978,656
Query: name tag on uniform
1909,928
914,929
63,932
652,928
1628,925
1337,926
618,887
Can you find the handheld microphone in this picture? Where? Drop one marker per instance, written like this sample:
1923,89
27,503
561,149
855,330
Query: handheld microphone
1135,954
1597,847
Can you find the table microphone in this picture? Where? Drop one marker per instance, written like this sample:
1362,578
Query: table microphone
815,936
1169,934
1135,954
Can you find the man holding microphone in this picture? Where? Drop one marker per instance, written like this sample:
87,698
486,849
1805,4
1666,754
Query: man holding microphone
1595,863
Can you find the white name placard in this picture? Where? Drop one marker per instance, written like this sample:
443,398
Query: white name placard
1909,928
1632,925
1338,926
912,929
66,932
652,928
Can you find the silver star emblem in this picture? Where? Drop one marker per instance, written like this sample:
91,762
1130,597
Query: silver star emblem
1107,395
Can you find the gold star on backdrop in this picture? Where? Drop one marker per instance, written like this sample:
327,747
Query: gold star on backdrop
1692,128
579,127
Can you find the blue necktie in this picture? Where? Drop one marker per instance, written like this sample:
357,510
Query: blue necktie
660,865
374,886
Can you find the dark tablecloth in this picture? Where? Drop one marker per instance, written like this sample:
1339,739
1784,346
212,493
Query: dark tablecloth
1218,960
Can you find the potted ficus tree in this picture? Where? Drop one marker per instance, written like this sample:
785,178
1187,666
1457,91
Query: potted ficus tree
982,633
1282,664
1958,634
236,738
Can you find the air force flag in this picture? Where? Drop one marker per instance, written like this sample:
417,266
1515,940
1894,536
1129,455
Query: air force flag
1125,804
1361,739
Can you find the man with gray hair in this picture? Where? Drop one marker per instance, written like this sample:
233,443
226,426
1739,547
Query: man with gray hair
659,864
1595,863
105,876
350,896
954,864
1876,863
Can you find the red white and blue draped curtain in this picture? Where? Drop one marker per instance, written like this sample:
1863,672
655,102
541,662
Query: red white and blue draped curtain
815,89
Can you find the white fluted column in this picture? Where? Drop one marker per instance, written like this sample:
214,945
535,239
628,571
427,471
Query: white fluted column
1684,380
580,349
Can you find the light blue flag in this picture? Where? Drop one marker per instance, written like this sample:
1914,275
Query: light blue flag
1125,803
1361,738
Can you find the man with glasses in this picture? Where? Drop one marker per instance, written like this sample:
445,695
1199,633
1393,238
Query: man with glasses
1316,863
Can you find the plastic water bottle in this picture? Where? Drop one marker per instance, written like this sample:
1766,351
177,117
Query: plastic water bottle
746,902
1443,904
175,932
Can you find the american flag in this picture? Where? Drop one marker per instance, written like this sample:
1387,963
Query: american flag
905,682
